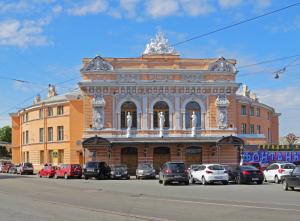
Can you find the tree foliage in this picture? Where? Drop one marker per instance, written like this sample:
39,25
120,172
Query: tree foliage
5,134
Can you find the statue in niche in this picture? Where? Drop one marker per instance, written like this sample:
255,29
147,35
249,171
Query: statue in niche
161,120
98,120
129,121
194,120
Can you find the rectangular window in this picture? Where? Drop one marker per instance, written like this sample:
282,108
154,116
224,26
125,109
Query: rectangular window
25,118
60,110
23,138
50,133
50,111
26,137
41,114
41,135
269,115
60,156
252,111
244,128
258,128
42,161
60,133
252,129
258,112
243,110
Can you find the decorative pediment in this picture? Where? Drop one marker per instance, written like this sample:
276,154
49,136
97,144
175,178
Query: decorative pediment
97,64
159,46
222,65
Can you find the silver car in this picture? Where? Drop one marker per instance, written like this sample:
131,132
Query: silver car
145,170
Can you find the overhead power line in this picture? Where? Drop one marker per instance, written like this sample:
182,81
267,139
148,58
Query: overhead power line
238,23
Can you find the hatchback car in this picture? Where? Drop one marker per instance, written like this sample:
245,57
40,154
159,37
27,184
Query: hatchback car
193,167
119,172
275,171
210,173
173,172
95,169
47,171
25,168
293,180
145,170
68,171
13,169
247,174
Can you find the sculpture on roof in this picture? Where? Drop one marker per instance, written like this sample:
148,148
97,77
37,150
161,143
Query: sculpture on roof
246,91
159,45
222,65
97,64
51,91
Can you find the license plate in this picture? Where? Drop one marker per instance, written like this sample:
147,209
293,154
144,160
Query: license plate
118,175
254,179
177,176
218,177
90,170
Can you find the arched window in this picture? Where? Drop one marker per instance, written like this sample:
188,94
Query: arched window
126,107
189,109
158,107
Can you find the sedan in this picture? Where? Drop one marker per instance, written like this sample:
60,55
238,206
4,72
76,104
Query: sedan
247,174
293,180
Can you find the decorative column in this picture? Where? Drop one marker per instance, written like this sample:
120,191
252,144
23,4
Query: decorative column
144,114
177,113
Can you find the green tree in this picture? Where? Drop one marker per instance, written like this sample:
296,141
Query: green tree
5,134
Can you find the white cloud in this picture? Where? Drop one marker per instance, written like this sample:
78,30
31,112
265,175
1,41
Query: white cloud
89,7
285,102
229,3
129,6
261,4
57,9
158,8
197,7
6,7
23,33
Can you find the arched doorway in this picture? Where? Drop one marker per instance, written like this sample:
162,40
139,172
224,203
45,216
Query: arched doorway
160,156
193,155
126,107
189,109
129,157
158,107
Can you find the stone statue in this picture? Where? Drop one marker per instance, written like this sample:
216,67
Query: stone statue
194,120
129,121
51,91
221,117
159,45
97,120
246,91
161,120
98,103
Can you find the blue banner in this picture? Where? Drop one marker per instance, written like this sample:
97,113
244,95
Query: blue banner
265,157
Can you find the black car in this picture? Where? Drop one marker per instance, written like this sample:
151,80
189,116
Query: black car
95,169
145,170
291,181
297,162
231,175
119,172
173,172
247,174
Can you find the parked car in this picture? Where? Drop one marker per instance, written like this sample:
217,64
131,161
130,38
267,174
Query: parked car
119,172
2,165
229,169
293,180
275,171
95,169
13,169
47,171
254,164
297,162
145,170
193,167
210,173
5,167
173,172
247,174
25,168
68,171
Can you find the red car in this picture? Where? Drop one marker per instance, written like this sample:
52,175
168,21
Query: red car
5,167
47,171
68,171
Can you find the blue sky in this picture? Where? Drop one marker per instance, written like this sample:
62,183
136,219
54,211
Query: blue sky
43,41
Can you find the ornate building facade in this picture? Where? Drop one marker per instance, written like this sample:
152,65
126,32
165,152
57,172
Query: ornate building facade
161,107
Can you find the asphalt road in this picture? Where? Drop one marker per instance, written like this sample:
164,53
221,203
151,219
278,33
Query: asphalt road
29,198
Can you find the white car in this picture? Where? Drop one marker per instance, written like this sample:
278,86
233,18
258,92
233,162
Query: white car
210,173
275,171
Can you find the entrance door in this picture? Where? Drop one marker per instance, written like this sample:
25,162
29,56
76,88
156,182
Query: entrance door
129,157
193,155
160,156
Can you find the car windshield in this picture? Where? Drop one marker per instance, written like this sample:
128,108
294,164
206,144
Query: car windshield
27,164
120,167
288,166
177,167
216,167
91,164
248,168
75,166
145,166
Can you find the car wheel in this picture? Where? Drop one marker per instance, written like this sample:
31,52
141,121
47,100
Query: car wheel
186,183
66,176
276,179
225,182
265,179
238,180
165,182
285,185
259,182
192,180
160,181
203,181
39,175
86,178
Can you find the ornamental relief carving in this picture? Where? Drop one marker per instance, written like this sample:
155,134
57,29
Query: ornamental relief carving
222,104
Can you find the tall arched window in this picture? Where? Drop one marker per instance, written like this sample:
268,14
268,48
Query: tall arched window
158,107
189,109
126,107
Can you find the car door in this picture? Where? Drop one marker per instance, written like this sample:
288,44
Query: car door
268,171
294,179
198,173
